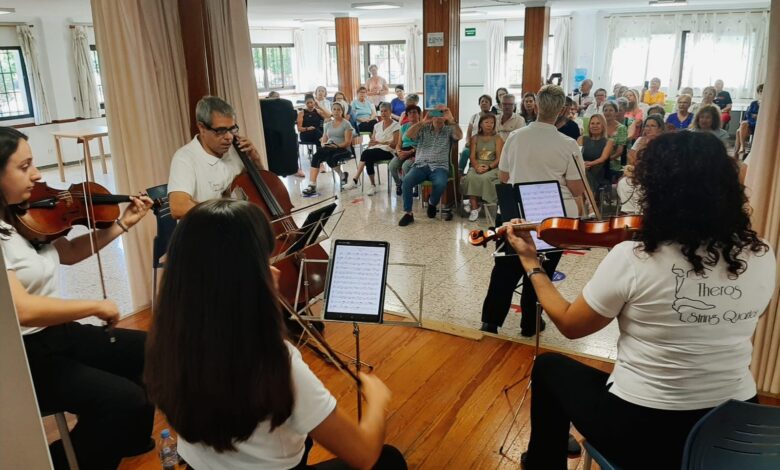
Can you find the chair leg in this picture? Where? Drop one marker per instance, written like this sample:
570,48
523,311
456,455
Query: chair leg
70,453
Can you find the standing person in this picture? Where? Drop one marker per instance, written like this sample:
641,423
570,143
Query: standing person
723,101
596,150
406,150
336,143
681,350
500,92
508,121
363,112
485,103
682,118
537,152
381,147
595,107
480,182
322,102
654,95
399,103
528,108
310,120
258,403
707,119
376,86
74,367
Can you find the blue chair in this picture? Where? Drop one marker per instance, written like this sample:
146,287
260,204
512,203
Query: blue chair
735,435
165,226
592,454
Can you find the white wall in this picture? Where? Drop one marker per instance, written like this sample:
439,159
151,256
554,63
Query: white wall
271,35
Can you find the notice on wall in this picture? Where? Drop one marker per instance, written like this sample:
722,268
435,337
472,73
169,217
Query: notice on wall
435,40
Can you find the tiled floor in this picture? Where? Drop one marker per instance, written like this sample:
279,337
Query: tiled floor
456,274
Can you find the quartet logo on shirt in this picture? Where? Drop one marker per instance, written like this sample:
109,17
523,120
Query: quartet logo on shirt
695,303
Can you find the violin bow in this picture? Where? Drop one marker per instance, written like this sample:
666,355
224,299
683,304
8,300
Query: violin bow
588,190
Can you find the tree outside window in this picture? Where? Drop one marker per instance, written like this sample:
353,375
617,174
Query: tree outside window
15,98
273,66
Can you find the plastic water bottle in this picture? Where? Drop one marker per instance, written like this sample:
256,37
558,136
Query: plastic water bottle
168,456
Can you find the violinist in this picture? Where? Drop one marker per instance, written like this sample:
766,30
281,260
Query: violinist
204,168
687,294
74,367
242,397
537,152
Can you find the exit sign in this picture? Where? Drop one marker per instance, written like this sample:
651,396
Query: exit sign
471,32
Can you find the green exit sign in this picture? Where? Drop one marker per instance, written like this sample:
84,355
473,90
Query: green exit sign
471,32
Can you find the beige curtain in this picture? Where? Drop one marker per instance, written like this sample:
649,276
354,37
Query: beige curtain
234,78
29,47
145,88
87,105
763,173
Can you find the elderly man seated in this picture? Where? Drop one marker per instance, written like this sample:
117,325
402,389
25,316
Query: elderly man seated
434,135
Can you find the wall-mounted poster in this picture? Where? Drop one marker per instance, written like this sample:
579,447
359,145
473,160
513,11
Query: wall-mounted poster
435,89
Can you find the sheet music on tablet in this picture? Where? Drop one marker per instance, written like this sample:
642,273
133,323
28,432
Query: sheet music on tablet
357,280
539,201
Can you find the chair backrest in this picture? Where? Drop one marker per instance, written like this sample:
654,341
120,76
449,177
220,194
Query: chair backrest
165,223
735,435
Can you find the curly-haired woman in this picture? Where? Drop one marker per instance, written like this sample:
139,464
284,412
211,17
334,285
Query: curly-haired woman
692,287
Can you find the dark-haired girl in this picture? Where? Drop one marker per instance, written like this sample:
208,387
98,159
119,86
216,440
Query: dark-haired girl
687,295
74,367
219,365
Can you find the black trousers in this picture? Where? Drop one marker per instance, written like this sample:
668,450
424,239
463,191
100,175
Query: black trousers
630,436
75,368
367,126
507,273
333,156
311,137
371,156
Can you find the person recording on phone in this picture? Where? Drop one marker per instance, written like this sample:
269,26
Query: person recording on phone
222,370
204,168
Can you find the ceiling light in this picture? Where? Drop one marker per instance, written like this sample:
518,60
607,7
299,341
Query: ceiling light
668,3
5,11
375,6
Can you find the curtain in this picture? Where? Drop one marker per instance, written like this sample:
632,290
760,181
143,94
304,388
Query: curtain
560,28
145,88
233,66
412,76
495,73
30,52
87,105
299,63
763,172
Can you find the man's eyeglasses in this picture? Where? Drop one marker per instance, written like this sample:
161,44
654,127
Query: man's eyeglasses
221,131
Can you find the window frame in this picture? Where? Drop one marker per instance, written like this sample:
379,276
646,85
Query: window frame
263,48
506,59
23,70
366,56
93,48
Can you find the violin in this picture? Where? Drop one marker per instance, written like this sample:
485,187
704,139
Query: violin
570,233
51,213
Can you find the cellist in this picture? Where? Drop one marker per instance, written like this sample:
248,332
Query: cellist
205,167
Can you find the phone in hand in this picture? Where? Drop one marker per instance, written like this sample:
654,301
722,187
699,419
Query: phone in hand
647,84
435,113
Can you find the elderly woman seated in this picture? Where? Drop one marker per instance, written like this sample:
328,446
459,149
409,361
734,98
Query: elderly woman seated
708,120
681,119
480,182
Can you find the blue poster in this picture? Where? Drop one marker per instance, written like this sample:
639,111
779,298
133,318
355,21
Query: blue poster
434,89
579,76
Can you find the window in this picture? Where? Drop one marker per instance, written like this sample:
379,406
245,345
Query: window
332,67
273,66
701,60
15,99
96,72
636,59
389,56
513,49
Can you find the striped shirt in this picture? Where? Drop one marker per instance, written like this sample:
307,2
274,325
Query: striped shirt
433,147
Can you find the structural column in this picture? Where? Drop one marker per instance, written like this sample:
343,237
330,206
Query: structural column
197,53
537,31
348,47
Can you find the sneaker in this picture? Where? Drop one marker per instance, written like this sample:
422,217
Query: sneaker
431,211
474,215
310,191
344,178
371,190
530,332
352,185
406,220
399,190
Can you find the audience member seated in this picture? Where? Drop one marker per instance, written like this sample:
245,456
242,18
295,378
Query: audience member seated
618,134
583,98
220,367
748,126
434,136
412,99
634,112
708,120
508,121
398,103
656,109
595,107
376,86
480,182
654,95
404,153
310,121
723,101
596,149
485,103
363,112
336,147
528,108
500,92
322,101
687,91
707,98
682,118
340,97
381,147
565,123
273,95
628,194
652,127
617,91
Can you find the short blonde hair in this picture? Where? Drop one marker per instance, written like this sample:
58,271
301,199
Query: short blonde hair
550,100
599,117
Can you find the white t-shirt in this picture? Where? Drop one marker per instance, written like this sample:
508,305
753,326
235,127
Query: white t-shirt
324,104
385,135
202,175
538,152
628,195
685,339
281,449
37,271
515,122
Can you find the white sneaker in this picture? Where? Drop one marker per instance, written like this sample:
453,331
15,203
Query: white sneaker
371,190
351,185
474,215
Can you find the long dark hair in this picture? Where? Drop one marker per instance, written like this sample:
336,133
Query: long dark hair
691,195
9,144
524,112
216,361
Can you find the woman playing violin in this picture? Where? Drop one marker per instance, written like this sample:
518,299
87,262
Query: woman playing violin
220,367
76,368
687,294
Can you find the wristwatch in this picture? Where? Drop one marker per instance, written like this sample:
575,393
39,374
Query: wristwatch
536,270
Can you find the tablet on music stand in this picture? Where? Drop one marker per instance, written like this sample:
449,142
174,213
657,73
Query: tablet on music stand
355,287
540,200
312,227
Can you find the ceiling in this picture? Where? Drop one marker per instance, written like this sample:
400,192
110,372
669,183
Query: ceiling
287,13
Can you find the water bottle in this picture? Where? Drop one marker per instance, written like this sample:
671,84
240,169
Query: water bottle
168,456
